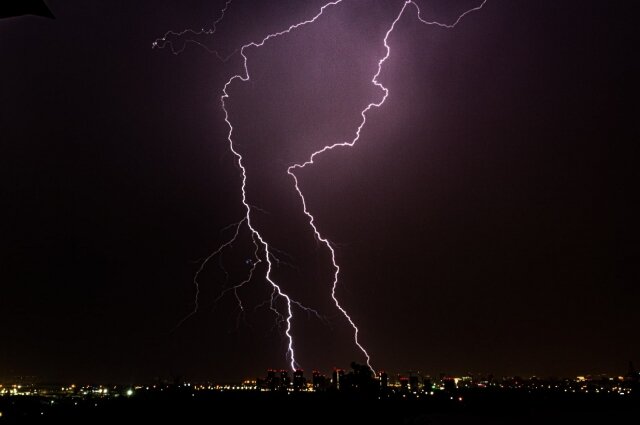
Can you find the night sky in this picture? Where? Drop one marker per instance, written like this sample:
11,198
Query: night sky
484,222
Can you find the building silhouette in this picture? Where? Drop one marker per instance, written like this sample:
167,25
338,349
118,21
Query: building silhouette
336,378
299,382
383,379
318,381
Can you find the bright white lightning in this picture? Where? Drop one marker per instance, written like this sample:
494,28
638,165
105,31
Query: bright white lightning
257,238
353,141
254,232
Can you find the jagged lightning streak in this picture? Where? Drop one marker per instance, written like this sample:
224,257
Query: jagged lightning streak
317,233
163,41
267,256
203,264
448,26
351,143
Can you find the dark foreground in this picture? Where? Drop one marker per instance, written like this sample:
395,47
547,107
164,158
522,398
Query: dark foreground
475,407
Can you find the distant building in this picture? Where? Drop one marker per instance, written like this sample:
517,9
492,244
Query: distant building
383,379
299,382
404,383
414,381
449,383
319,381
427,386
276,380
285,381
272,383
337,378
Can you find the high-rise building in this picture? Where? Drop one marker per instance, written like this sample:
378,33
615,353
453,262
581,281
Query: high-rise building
285,381
414,380
404,383
383,379
272,383
299,383
426,384
318,381
337,377
449,383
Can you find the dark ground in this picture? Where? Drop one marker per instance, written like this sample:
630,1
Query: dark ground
484,408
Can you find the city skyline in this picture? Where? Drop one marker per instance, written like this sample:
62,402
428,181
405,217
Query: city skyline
413,397
318,380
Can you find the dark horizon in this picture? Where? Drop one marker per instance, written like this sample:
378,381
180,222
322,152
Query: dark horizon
486,220
393,376
354,397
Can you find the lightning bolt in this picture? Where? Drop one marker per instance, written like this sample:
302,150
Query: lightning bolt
351,143
259,241
203,264
165,41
